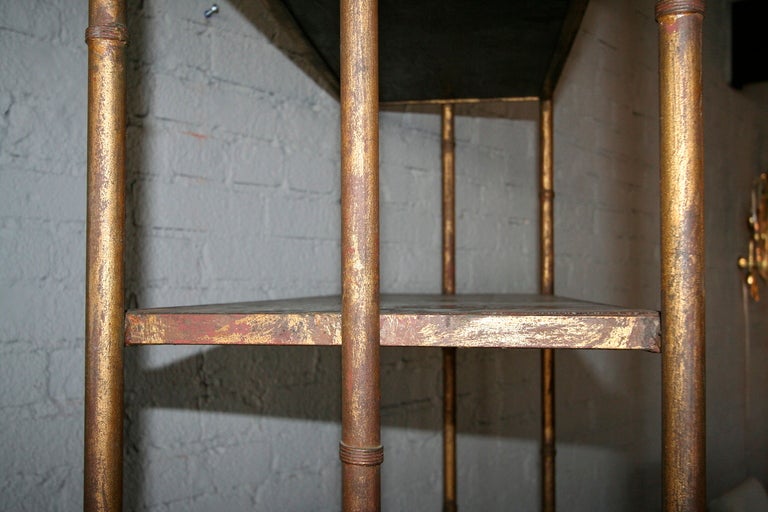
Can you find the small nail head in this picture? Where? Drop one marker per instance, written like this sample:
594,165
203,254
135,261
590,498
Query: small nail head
213,10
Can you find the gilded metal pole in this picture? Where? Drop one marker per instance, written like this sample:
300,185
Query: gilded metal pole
449,288
361,452
449,200
106,37
682,254
547,286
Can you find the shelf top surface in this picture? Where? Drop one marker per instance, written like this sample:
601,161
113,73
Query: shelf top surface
453,49
512,321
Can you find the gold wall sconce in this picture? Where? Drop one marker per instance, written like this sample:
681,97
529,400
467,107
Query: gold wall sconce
756,262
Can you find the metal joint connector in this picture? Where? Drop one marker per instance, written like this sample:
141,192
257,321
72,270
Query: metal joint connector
667,7
361,455
113,32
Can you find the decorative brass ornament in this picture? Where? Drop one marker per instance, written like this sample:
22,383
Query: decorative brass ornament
756,262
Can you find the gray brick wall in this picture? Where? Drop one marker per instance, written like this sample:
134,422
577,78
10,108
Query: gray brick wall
233,194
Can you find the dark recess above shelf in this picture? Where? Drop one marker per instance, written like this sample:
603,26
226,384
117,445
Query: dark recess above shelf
749,42
453,49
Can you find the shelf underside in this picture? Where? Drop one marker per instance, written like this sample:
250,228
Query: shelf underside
507,321
448,50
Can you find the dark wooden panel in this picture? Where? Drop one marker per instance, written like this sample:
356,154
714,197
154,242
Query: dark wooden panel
520,321
442,50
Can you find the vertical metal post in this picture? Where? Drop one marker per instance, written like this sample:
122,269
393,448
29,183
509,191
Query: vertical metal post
547,286
361,452
106,37
682,254
449,288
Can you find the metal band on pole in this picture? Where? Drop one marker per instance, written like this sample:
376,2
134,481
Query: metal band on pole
682,255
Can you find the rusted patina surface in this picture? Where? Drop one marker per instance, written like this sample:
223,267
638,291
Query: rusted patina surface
546,199
448,157
106,37
511,321
548,430
448,149
682,254
547,287
360,452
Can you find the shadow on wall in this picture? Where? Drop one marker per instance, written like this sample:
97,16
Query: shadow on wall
303,383
497,396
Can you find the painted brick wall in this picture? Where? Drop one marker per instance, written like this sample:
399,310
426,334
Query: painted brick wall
233,194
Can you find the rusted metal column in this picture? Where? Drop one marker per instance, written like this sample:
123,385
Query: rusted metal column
106,37
361,451
449,201
682,254
449,288
547,287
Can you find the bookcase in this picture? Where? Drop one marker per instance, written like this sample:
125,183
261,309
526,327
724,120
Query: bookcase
456,58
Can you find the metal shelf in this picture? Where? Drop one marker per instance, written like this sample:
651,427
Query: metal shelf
507,321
